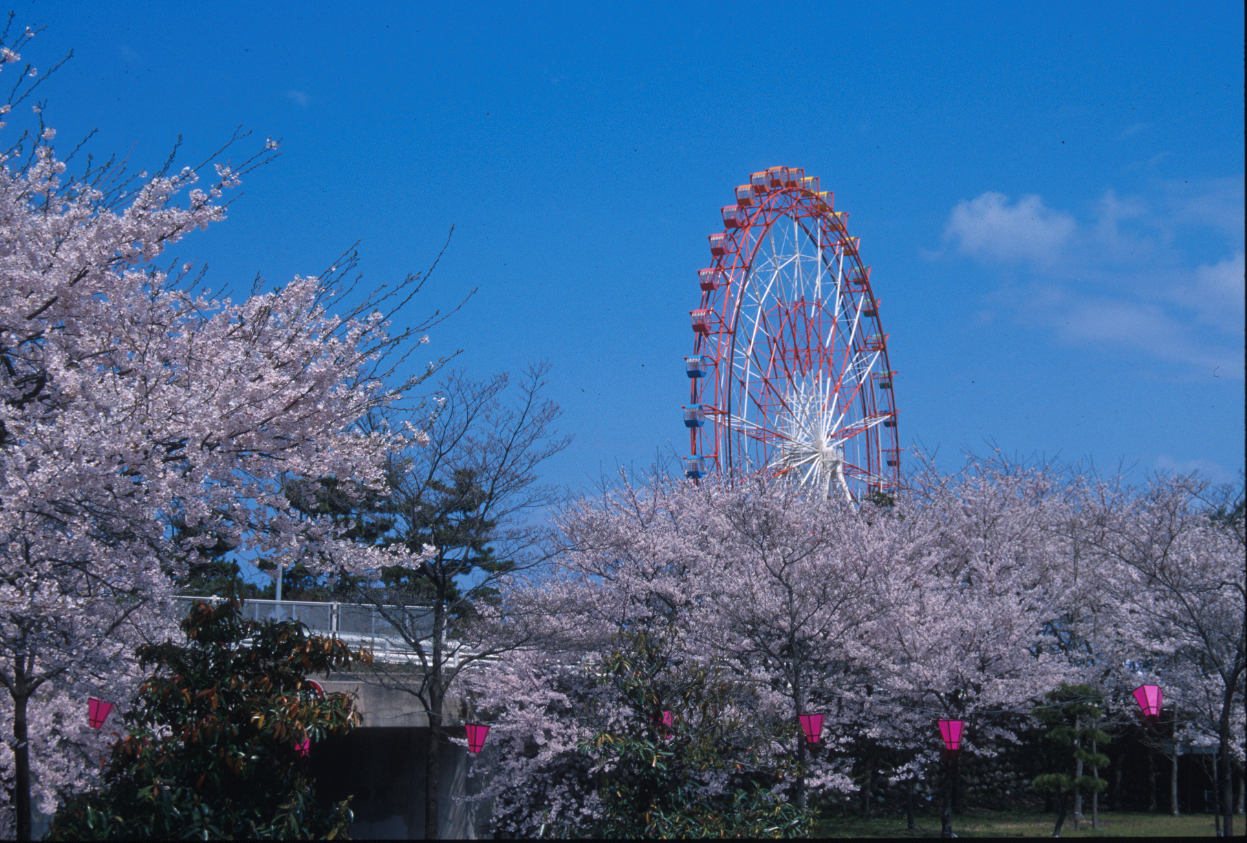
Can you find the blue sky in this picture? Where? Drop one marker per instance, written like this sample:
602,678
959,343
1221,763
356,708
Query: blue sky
1051,198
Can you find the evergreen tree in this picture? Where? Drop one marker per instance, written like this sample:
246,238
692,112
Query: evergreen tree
1071,716
678,754
218,738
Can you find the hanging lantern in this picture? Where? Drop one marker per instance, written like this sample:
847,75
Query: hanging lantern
812,726
1149,698
97,712
476,736
950,731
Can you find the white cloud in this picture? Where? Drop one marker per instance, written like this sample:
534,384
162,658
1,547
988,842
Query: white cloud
299,97
1211,471
986,227
1113,232
1217,292
1130,276
1144,327
1208,203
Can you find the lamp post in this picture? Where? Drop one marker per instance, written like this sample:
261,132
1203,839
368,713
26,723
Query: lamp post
811,727
1149,698
951,732
477,732
97,712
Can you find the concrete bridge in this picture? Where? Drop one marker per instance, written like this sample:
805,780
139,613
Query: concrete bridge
381,764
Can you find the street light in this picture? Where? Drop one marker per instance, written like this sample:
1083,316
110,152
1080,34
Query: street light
477,733
812,726
97,712
1149,698
950,731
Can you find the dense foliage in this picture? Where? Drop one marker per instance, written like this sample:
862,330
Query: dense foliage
680,761
214,744
966,597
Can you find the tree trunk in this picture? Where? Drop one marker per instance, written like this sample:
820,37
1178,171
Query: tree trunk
798,701
867,787
1173,774
946,813
21,765
1077,774
437,699
1151,778
1242,792
1060,812
432,779
909,805
1225,774
1227,791
1095,795
799,795
433,764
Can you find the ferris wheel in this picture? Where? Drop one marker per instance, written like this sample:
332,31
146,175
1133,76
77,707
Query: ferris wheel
790,373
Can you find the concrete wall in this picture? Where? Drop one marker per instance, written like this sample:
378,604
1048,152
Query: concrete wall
382,707
382,769
381,766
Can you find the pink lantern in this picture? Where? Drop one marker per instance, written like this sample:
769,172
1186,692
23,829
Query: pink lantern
304,747
1149,697
476,736
812,726
668,719
950,731
97,712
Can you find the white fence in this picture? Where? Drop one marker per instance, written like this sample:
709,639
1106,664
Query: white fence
358,624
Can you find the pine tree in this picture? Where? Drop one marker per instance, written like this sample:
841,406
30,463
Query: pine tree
1071,716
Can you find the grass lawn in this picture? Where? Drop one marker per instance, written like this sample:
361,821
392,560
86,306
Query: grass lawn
975,823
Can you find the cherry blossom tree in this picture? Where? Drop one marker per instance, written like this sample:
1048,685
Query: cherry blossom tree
964,597
973,581
794,583
1179,576
752,579
129,401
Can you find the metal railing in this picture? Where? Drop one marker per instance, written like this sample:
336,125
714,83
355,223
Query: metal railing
358,624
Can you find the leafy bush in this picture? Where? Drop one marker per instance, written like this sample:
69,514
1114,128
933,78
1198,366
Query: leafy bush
217,740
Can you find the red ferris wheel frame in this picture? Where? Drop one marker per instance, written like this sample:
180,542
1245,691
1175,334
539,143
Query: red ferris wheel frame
790,371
